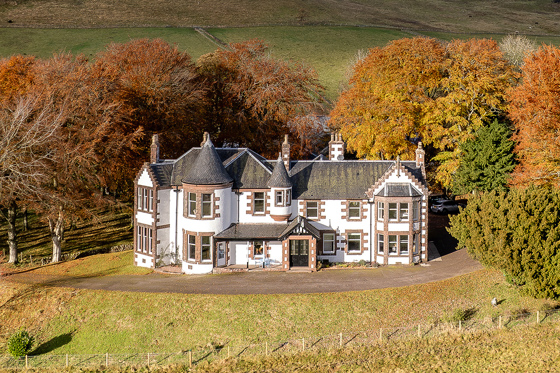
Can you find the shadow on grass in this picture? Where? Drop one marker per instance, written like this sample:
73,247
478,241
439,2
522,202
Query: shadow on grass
53,344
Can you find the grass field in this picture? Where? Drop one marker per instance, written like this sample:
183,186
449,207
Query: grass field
128,322
536,16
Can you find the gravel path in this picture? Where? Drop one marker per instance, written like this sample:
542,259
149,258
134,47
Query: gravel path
325,281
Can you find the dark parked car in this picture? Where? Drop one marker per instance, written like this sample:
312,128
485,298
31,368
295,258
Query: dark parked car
445,206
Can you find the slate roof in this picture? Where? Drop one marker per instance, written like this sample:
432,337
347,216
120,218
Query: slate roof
315,179
252,231
398,190
279,178
208,168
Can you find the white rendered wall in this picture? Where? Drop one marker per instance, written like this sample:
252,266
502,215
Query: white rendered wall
239,252
145,180
196,269
164,249
145,218
142,260
275,252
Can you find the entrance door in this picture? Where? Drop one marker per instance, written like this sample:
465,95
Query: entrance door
221,254
299,253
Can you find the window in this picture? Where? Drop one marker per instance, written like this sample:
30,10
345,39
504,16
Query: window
403,244
328,243
354,242
139,198
145,199
393,211
145,194
258,200
151,201
258,248
415,210
144,240
192,247
403,211
221,251
205,252
279,198
380,244
192,204
206,205
354,210
392,244
288,197
416,246
311,210
380,210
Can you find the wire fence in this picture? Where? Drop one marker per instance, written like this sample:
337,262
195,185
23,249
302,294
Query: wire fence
279,348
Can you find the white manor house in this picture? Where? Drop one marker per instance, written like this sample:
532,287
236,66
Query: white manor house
216,209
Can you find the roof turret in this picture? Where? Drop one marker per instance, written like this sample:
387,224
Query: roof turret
279,177
207,168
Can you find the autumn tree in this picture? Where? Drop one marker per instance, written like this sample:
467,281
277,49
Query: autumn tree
486,160
516,47
421,89
253,98
535,111
517,232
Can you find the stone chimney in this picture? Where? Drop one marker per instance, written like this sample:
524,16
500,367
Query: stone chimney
154,149
420,155
336,147
286,153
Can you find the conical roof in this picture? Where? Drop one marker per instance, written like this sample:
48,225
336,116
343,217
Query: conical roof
279,177
207,168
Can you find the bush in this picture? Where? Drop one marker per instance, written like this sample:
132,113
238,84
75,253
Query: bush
461,314
20,343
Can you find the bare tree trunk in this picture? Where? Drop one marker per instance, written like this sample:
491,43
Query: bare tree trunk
55,228
25,222
12,233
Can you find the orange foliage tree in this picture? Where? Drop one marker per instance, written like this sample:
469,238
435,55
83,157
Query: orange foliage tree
420,89
252,99
535,111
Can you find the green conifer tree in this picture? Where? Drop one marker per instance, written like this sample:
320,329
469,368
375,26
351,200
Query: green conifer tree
486,161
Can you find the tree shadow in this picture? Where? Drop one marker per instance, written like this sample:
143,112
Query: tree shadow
53,343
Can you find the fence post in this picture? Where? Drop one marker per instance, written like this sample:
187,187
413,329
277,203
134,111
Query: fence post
538,318
303,344
380,335
66,360
460,324
419,332
148,359
340,340
266,348
26,362
190,358
500,322
228,351
107,360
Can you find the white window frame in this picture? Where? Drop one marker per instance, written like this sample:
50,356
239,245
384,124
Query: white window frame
331,241
255,255
380,244
380,211
150,200
221,250
288,197
316,209
394,243
263,199
191,247
404,211
416,243
208,204
415,210
190,203
279,198
394,210
208,246
353,239
144,199
354,208
150,244
403,238
139,197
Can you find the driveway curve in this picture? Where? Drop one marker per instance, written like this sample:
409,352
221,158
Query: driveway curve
325,281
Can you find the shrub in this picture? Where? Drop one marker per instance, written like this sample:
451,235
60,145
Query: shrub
461,314
20,343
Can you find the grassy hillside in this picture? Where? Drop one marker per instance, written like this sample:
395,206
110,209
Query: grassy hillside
128,322
537,16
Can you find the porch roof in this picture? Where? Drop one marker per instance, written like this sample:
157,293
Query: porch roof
252,231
